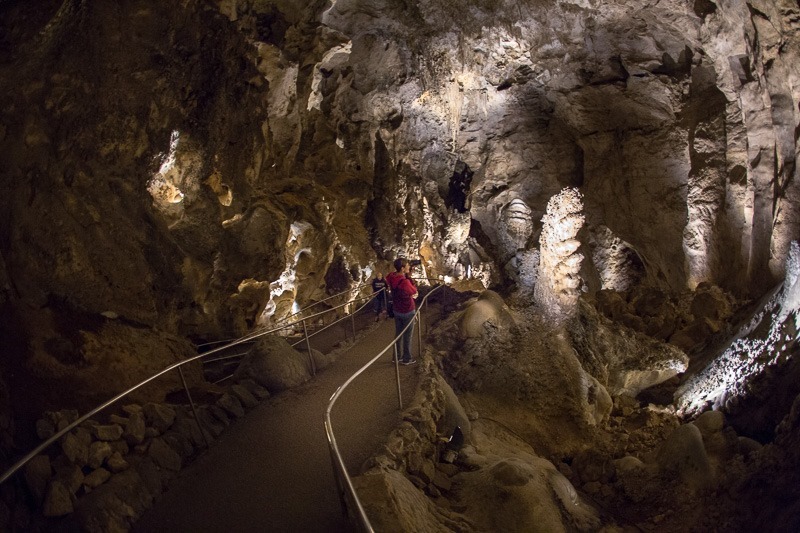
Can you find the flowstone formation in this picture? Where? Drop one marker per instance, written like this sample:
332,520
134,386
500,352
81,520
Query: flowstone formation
753,378
558,436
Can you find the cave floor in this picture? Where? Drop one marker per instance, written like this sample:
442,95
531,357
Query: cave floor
271,470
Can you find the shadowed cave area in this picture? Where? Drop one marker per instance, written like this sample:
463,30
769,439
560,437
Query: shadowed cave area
608,190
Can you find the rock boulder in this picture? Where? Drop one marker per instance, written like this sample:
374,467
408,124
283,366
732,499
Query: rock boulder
274,364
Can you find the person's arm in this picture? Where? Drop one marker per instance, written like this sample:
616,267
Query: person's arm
410,288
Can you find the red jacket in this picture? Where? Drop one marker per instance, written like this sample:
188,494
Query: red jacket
402,289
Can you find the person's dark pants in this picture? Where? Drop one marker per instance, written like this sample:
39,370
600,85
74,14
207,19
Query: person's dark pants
403,346
380,304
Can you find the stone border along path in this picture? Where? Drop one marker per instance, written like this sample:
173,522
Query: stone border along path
271,470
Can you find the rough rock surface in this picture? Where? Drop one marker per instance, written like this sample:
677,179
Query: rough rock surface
274,364
644,468
509,372
753,376
198,169
558,281
488,310
624,361
321,128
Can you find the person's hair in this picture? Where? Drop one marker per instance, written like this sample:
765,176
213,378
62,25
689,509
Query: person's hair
399,263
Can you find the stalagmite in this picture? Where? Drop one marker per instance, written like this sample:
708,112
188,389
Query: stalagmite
557,289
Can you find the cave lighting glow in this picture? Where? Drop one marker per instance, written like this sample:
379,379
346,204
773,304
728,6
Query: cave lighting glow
162,187
730,376
284,283
169,161
296,230
287,281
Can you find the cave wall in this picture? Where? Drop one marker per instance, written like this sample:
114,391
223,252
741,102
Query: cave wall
155,183
198,168
99,95
677,122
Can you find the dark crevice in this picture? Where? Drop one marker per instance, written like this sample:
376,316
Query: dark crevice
458,191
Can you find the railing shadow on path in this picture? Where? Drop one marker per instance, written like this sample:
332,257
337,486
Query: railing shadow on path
273,468
351,505
347,311
269,442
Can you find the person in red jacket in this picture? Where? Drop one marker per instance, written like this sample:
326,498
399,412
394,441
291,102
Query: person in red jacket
404,292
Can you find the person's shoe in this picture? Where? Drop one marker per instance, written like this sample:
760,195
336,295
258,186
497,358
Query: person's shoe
407,363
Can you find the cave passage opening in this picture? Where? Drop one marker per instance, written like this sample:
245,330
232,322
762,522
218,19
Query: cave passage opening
458,191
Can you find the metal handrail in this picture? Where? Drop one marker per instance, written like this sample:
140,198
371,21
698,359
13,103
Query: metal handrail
307,336
179,365
309,306
226,357
338,462
351,315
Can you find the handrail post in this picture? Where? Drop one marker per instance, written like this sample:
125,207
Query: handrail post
308,347
397,377
419,334
337,479
194,410
340,468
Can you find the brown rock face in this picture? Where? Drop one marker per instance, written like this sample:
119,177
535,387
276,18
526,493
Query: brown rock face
194,170
644,108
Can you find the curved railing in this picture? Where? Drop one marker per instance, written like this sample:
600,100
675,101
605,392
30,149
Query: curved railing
179,367
344,482
282,321
306,336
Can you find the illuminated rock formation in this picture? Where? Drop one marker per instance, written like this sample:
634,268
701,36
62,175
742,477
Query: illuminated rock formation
558,284
617,264
516,225
191,170
738,378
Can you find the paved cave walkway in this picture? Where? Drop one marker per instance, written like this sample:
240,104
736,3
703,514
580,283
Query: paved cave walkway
271,470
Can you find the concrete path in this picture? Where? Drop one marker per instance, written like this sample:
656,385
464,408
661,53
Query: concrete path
271,471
